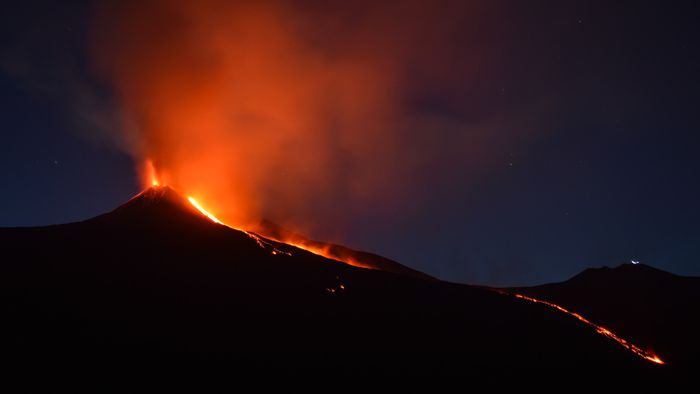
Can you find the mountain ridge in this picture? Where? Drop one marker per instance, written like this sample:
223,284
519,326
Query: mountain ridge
649,306
266,232
153,278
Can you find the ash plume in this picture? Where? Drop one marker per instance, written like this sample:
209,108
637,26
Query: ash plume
295,111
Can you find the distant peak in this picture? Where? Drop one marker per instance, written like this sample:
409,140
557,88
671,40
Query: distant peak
637,267
623,267
623,270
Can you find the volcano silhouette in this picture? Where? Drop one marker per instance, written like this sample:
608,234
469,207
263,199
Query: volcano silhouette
156,277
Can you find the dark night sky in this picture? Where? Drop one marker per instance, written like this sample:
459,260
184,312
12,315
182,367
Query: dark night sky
608,173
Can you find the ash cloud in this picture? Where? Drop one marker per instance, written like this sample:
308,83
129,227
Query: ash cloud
301,112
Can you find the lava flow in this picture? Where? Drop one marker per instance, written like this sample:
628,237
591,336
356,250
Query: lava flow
204,211
322,251
265,244
599,329
153,181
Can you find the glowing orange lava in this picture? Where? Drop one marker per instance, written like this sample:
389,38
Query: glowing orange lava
599,329
266,244
151,178
204,211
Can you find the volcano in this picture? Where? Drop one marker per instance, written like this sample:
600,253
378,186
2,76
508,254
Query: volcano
157,277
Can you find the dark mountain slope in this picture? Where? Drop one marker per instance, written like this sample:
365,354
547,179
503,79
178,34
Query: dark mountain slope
155,277
653,308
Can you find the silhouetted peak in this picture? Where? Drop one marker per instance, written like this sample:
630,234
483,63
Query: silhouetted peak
632,271
157,195
157,203
639,267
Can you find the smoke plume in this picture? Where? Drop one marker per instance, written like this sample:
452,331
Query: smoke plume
294,111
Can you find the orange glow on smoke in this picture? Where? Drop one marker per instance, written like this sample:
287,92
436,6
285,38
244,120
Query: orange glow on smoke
247,104
284,110
322,250
151,176
599,329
